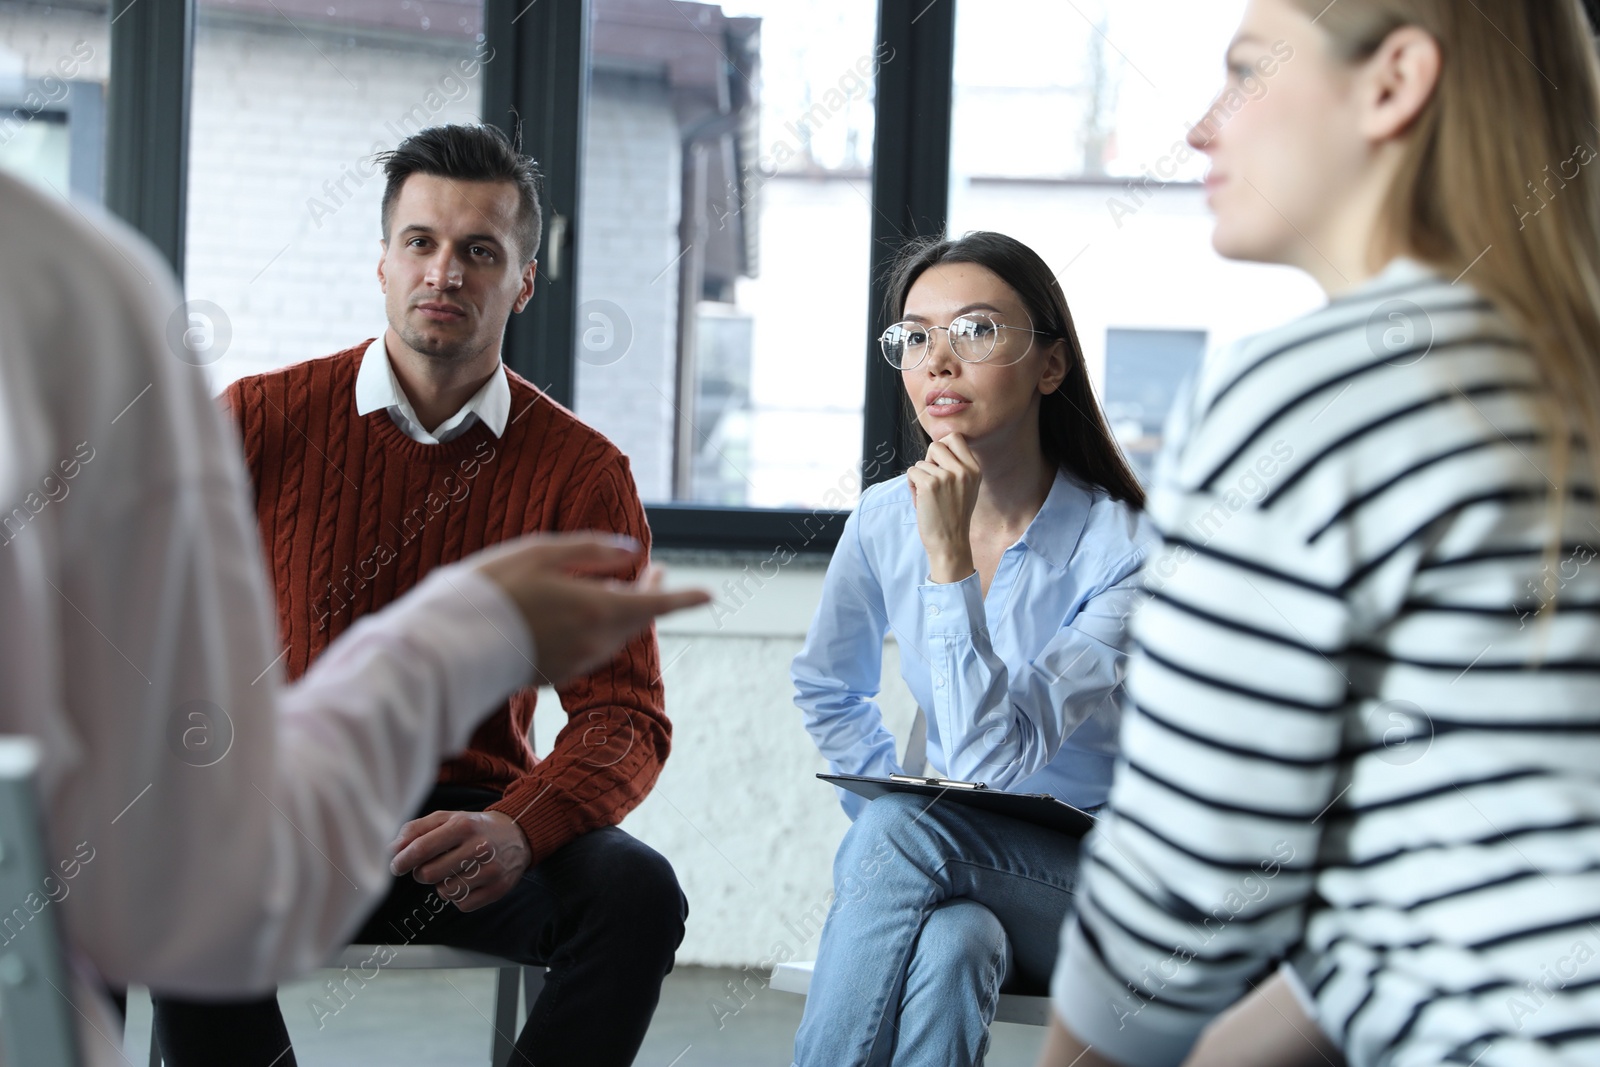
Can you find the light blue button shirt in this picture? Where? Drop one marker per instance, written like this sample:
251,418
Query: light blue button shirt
1020,686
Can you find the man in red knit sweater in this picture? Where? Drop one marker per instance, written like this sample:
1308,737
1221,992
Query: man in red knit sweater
375,465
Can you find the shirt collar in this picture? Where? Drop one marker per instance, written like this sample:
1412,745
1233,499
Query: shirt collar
1054,532
1401,272
377,389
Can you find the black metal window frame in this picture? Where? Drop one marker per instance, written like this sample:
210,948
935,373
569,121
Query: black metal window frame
540,91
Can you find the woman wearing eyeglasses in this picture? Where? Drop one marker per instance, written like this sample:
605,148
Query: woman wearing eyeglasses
1003,563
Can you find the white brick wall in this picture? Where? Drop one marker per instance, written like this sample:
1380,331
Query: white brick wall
40,41
275,120
627,240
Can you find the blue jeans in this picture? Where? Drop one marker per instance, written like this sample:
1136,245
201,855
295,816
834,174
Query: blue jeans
936,907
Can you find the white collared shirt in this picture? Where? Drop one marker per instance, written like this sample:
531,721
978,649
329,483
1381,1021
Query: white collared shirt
377,388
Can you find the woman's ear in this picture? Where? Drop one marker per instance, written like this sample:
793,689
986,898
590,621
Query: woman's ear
1397,82
1057,362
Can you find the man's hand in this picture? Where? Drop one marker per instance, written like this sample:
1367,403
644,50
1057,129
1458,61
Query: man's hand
472,857
579,614
944,490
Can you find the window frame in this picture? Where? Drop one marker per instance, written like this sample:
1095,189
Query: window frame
537,91
541,78
910,195
147,119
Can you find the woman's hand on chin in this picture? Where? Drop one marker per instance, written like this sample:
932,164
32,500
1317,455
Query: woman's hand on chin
944,490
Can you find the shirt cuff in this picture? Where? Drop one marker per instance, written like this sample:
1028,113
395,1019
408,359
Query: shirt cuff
545,813
953,609
1102,1011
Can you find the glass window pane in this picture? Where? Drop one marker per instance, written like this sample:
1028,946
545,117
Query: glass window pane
54,61
1069,135
291,101
723,246
1143,371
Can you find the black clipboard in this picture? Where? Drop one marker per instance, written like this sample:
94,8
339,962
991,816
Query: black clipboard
1041,809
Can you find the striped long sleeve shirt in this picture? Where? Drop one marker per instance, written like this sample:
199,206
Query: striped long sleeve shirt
1362,705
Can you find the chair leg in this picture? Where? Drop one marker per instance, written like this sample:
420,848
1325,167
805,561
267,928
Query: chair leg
532,986
505,1015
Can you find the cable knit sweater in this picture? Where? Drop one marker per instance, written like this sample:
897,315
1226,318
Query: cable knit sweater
353,513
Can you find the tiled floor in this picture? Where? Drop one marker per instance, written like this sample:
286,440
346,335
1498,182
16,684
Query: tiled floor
440,1019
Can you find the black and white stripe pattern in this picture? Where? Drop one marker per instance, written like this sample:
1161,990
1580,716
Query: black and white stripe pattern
1363,728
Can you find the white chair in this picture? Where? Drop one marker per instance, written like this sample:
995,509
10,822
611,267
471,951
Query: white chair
37,1024
441,958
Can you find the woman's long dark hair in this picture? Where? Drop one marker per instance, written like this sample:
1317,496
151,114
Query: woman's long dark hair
1072,428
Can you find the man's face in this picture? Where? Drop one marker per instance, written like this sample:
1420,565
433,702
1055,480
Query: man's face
451,272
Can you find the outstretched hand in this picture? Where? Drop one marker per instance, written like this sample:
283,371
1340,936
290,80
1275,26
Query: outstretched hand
944,490
567,589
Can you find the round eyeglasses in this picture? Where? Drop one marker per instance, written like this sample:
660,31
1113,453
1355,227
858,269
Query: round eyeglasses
975,337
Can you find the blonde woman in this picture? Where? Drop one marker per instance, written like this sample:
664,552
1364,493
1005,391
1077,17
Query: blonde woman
1364,721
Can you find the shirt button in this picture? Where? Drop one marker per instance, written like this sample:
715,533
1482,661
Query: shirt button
933,610
939,684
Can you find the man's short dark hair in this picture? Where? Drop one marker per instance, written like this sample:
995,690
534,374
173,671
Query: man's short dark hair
469,153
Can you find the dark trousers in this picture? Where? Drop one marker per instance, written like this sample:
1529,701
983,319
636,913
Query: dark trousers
603,913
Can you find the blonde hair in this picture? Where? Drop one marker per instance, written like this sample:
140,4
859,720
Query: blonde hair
1516,105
